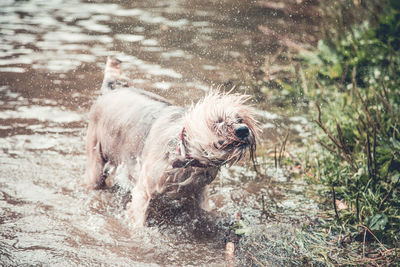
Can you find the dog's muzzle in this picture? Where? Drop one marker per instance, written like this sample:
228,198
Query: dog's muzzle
242,132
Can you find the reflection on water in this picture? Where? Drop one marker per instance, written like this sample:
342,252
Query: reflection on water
52,54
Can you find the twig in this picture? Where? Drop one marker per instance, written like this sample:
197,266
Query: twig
331,149
387,195
360,119
353,81
363,245
374,154
358,199
323,127
341,139
390,107
366,260
384,98
303,80
283,146
346,70
369,230
334,202
369,159
255,259
391,64
263,204
345,156
368,114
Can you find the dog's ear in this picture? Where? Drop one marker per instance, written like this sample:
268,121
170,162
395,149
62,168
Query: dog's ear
178,163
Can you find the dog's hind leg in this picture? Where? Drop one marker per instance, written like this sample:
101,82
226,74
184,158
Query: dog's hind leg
95,176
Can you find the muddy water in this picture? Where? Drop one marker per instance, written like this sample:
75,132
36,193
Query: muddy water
52,54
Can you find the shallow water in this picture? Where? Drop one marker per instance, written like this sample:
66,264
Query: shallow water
52,54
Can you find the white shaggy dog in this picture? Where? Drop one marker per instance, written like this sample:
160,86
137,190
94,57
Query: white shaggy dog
166,149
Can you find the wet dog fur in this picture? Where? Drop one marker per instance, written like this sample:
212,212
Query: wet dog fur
164,149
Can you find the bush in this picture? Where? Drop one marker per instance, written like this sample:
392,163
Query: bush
356,85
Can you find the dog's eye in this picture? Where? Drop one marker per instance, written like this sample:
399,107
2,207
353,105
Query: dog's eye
240,120
220,143
220,120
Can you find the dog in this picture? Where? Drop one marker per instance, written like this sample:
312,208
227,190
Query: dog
165,149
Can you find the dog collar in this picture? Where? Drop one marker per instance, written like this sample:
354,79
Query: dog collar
190,161
181,146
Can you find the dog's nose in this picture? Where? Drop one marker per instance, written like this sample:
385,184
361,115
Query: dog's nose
242,132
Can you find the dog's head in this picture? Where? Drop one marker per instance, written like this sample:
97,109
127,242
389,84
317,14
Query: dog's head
221,128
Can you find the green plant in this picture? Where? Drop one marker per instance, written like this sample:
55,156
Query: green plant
356,87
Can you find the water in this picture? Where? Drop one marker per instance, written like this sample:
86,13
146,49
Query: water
52,54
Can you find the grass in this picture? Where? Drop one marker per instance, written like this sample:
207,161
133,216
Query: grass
355,89
351,84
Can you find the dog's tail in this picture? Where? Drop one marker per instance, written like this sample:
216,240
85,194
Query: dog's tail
115,79
113,76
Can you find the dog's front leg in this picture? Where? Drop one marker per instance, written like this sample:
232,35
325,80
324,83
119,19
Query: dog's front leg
201,197
144,190
138,207
201,194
